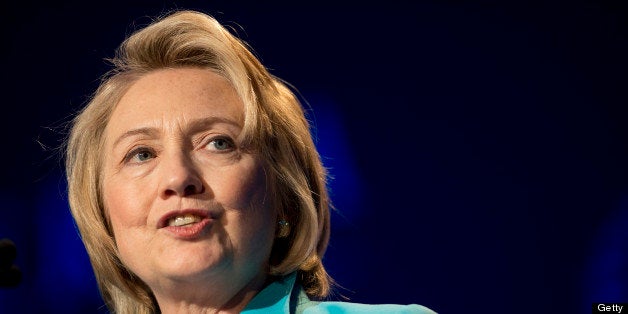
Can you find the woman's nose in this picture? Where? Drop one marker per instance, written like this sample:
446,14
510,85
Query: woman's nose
180,177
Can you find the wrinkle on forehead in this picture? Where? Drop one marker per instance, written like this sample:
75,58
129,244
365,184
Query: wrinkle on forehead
162,99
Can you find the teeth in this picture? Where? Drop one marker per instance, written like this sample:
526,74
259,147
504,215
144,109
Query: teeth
183,220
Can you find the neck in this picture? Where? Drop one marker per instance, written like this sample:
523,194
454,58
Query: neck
208,296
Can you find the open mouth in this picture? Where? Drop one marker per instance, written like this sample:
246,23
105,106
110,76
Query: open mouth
187,224
183,220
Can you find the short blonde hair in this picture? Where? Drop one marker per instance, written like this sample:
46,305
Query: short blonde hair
275,127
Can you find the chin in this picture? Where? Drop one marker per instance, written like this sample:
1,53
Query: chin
193,263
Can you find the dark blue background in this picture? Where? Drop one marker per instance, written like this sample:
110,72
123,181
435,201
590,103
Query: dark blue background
478,148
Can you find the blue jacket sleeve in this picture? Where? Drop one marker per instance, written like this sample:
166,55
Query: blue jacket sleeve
357,308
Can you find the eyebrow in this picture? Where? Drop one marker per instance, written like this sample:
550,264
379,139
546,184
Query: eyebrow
149,131
194,126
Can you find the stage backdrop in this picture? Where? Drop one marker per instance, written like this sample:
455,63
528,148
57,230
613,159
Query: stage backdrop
477,149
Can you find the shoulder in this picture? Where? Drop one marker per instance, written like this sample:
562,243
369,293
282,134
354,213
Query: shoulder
287,297
358,308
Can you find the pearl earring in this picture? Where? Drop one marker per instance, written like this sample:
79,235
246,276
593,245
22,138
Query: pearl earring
284,229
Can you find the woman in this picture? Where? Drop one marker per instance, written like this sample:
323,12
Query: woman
195,183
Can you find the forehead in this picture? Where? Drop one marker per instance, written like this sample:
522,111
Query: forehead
176,95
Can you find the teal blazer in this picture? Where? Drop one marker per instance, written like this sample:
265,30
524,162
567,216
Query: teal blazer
285,297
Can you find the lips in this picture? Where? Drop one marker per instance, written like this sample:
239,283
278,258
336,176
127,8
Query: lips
182,218
188,224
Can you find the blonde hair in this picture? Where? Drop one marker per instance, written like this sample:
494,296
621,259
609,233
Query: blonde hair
275,127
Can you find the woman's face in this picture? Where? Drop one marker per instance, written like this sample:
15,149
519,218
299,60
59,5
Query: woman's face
185,201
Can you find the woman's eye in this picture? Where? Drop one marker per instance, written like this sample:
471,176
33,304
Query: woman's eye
143,156
220,144
140,155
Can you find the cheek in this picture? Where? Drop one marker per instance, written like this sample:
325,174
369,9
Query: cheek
245,195
244,189
128,220
125,207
